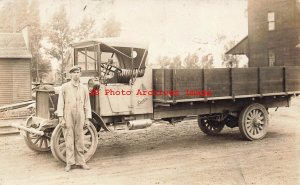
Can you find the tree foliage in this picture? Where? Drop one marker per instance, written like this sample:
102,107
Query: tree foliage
164,62
14,16
111,28
84,30
207,61
176,62
195,61
60,35
191,61
17,14
40,67
228,60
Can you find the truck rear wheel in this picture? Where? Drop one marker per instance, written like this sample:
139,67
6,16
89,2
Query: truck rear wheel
58,146
209,126
253,122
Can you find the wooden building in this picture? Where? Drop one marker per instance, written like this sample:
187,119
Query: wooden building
15,69
273,33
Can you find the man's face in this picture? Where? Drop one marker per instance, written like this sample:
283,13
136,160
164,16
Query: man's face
75,75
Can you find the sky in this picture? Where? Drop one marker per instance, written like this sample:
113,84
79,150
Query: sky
172,27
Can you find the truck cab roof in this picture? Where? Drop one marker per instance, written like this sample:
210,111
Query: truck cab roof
113,42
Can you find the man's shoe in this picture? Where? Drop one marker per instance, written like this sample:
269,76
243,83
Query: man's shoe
85,167
68,168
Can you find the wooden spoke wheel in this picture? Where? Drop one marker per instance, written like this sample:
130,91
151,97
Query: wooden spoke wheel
36,142
210,127
253,122
58,145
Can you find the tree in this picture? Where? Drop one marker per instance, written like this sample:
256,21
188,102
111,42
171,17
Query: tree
39,67
17,14
176,63
230,61
14,16
192,61
111,28
207,61
164,62
220,38
59,37
84,29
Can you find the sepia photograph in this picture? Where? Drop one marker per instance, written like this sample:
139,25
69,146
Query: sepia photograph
149,92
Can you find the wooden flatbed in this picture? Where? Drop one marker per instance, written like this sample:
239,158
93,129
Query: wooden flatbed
238,97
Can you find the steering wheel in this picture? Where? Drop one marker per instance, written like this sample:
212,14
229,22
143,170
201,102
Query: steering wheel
111,68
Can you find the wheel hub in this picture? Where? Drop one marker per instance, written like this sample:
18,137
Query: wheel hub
256,122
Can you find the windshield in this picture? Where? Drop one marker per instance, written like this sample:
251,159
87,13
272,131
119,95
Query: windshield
87,58
113,63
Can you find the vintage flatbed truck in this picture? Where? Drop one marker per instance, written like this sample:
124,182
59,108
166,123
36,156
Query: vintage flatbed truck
124,91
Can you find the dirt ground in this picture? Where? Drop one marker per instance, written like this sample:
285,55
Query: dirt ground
167,154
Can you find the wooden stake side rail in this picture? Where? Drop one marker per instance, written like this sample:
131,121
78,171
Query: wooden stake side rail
225,83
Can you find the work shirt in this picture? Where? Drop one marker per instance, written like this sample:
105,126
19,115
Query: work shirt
74,97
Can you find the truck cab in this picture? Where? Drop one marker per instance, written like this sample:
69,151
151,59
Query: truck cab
115,70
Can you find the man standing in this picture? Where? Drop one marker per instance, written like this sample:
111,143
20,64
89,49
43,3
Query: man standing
74,111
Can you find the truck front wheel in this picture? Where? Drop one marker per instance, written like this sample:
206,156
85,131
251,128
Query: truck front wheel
58,146
36,142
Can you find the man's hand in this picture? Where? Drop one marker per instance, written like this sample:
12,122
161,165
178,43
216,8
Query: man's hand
86,123
62,122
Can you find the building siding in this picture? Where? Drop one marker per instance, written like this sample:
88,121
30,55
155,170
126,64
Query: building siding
15,80
282,41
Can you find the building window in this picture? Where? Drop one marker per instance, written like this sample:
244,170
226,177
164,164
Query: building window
272,57
271,21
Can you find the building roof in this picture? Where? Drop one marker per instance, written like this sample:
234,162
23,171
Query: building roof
12,45
114,42
240,48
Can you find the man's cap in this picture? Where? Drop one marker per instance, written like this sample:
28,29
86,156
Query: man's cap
74,68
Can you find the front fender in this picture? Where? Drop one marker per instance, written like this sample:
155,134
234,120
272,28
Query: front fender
99,122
